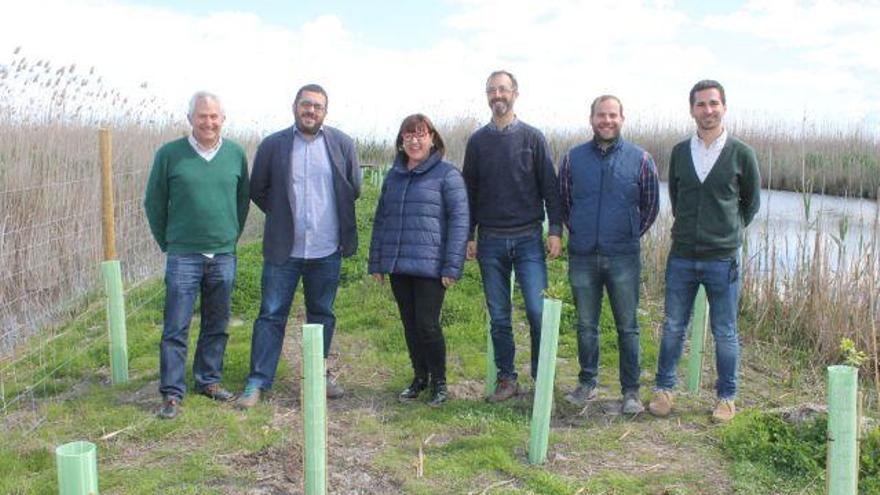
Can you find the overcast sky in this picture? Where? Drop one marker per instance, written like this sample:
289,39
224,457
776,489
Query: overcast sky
381,60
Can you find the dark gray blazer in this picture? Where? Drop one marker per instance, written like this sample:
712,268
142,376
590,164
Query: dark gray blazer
271,191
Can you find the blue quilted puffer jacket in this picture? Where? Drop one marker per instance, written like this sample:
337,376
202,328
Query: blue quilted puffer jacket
421,222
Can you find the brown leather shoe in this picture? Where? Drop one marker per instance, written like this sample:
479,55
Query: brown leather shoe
217,392
505,389
249,398
661,403
724,411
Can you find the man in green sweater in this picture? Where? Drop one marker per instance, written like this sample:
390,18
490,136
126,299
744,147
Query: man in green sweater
715,191
196,202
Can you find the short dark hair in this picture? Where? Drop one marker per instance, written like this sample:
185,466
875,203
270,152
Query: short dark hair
504,73
312,88
602,98
413,123
704,85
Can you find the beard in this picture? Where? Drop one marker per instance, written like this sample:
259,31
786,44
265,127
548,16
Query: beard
308,129
500,107
601,138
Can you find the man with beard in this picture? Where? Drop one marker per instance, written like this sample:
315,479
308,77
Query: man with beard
510,179
196,203
609,192
306,179
715,191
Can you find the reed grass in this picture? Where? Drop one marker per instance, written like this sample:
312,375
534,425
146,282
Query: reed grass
50,239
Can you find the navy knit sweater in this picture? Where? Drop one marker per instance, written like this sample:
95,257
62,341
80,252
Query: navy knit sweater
510,179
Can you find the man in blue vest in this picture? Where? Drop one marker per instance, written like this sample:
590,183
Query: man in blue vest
609,192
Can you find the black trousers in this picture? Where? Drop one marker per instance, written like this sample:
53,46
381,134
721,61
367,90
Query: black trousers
419,300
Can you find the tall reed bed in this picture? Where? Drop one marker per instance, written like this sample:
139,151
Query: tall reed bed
50,218
826,294
50,234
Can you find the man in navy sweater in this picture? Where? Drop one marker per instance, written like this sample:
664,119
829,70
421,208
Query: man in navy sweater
609,192
510,180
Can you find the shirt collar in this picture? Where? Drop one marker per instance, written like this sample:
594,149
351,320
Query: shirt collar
508,128
718,143
613,146
298,133
198,147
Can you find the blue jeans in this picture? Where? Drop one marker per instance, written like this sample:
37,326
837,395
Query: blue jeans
187,276
721,280
320,278
497,256
620,276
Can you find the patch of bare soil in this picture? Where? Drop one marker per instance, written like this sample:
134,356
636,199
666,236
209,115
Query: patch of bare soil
279,469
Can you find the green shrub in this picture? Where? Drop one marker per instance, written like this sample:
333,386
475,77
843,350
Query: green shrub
795,450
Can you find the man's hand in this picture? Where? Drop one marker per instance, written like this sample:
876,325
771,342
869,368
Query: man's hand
447,281
472,250
378,277
554,246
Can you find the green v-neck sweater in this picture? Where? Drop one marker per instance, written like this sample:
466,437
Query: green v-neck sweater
194,205
710,216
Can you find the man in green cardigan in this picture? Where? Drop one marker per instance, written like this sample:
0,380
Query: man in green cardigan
715,192
196,203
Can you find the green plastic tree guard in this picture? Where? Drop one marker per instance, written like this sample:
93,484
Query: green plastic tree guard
77,468
699,324
543,401
843,457
491,370
116,321
314,410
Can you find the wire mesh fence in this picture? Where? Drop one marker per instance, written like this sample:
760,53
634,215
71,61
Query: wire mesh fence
51,250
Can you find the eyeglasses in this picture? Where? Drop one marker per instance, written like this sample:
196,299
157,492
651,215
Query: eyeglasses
310,105
504,90
413,135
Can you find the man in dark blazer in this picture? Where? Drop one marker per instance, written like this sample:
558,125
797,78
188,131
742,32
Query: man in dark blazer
306,179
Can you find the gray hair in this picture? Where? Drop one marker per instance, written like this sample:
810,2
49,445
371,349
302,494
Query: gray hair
204,95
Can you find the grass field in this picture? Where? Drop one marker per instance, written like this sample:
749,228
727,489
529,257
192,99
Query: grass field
379,446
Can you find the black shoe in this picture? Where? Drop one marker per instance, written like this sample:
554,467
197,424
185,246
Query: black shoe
217,392
439,394
170,407
415,388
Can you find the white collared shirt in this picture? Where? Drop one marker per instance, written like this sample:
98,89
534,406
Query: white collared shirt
206,154
704,157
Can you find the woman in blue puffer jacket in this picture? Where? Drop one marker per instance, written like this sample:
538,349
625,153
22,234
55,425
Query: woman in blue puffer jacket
419,238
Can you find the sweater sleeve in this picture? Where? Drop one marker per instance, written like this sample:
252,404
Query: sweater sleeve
547,183
455,203
471,179
244,198
156,199
750,187
672,180
565,184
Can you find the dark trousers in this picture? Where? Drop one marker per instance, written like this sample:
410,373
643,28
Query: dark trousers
419,300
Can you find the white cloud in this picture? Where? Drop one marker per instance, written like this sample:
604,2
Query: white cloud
564,53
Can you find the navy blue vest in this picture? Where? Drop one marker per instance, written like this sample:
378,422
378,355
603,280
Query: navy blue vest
605,195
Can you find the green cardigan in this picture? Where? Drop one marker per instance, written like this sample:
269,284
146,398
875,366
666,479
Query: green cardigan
710,216
196,206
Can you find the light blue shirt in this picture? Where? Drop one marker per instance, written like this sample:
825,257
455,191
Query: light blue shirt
315,223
